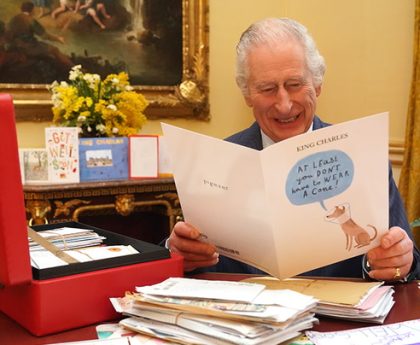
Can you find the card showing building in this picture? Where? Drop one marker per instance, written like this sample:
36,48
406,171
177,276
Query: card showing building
103,159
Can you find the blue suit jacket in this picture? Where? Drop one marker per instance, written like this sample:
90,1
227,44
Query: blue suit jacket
251,137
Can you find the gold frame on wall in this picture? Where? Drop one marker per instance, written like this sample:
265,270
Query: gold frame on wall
189,99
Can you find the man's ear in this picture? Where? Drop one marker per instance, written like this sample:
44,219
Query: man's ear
318,90
248,101
243,87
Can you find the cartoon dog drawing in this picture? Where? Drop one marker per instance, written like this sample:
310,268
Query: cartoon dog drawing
351,229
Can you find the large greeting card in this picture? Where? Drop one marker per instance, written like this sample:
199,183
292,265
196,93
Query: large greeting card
62,145
103,159
302,203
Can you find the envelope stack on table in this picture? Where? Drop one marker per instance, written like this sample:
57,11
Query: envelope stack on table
192,311
357,301
80,244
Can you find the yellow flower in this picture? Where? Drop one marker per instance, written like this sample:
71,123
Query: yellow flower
99,108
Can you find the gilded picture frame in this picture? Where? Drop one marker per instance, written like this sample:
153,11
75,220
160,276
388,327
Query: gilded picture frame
188,99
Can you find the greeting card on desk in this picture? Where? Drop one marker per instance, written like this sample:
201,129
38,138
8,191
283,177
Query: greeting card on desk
103,159
165,169
144,156
302,203
34,165
63,154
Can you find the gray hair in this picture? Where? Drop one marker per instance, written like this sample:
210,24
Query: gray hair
271,31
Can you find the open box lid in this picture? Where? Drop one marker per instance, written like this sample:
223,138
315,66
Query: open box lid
15,265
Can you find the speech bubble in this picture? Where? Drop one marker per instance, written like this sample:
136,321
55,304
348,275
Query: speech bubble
318,177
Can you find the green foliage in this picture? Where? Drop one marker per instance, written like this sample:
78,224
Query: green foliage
415,223
99,108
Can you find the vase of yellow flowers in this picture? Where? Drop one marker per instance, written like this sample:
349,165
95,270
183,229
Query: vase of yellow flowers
105,112
99,108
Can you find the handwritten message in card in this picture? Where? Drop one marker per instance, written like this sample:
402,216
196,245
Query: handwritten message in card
403,333
63,154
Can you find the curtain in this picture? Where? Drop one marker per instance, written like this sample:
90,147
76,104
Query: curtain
409,184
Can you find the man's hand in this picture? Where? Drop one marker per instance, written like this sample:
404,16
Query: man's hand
185,240
393,258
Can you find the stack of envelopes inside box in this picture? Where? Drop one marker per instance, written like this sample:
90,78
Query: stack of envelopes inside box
62,297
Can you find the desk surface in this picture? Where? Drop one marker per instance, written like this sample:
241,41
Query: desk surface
407,307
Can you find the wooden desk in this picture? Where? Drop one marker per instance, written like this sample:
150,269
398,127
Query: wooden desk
407,307
145,209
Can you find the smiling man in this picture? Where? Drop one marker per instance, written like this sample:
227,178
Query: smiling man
277,84
280,73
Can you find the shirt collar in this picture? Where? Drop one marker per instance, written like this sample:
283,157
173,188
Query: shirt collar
267,141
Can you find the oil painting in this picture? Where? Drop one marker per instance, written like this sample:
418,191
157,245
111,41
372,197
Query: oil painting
151,40
43,39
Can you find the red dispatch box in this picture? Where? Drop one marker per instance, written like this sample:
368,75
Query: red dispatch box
77,294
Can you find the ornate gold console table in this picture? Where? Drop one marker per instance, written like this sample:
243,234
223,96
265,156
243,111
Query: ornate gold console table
145,209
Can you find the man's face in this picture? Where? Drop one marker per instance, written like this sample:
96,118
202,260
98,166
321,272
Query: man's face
281,90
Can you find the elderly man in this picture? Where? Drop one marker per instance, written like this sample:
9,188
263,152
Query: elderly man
280,73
